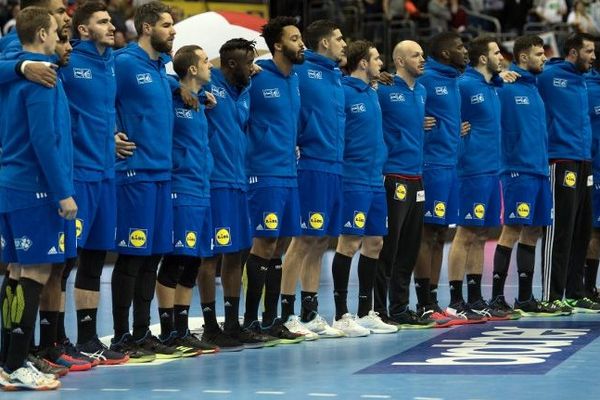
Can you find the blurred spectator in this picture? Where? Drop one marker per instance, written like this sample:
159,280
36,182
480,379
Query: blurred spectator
394,8
14,10
439,14
580,21
515,15
594,11
459,16
551,11
120,40
117,15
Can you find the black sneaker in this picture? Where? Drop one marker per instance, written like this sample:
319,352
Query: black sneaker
563,308
408,319
278,330
499,303
584,305
248,338
72,351
222,340
46,366
534,308
97,350
255,329
162,351
192,340
386,319
482,308
463,311
595,295
128,346
178,343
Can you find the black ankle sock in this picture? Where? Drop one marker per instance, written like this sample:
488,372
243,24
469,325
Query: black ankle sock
433,292
423,290
272,289
232,309
48,328
61,333
181,315
167,323
367,269
456,291
6,295
525,267
287,306
145,286
256,272
474,287
340,270
123,289
210,317
501,264
591,274
86,325
27,294
309,306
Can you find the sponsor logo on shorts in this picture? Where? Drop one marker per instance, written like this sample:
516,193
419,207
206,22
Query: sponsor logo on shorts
523,210
397,98
270,221
400,192
557,82
479,210
521,348
61,242
191,239
138,238
570,179
143,79
313,74
316,220
358,108
439,209
223,236
477,99
78,227
271,93
82,73
441,90
183,113
23,243
359,220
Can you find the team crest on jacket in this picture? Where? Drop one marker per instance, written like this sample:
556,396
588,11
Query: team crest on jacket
82,73
143,79
271,93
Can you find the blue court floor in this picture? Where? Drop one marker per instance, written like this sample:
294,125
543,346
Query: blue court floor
545,359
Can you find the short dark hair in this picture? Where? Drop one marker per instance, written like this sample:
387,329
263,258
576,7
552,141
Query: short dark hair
480,46
232,45
30,21
442,42
524,43
185,58
273,30
34,3
356,51
575,41
149,13
84,12
318,30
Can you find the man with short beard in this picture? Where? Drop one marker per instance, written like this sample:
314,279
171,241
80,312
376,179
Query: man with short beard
563,89
271,170
144,206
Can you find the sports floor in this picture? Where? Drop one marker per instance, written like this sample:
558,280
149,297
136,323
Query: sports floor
546,359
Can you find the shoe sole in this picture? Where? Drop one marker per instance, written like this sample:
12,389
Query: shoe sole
114,362
526,314
381,331
162,356
408,326
79,368
251,346
141,360
22,387
272,343
232,349
578,310
291,341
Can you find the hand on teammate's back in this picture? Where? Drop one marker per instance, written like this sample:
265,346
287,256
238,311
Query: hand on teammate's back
68,208
123,147
41,72
211,100
429,123
509,76
465,128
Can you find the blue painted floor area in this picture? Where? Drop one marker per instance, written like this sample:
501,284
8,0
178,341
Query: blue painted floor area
545,358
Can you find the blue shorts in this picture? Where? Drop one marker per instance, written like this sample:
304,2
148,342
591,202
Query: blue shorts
527,199
596,201
37,235
365,212
96,221
231,220
441,196
192,226
479,201
321,196
274,210
144,218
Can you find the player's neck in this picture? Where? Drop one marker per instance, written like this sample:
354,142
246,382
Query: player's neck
362,75
406,77
144,43
283,63
193,85
483,70
34,48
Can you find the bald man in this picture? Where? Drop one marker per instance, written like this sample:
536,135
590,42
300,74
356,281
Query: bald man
403,109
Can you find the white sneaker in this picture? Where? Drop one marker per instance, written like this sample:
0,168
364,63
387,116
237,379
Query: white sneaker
319,326
372,321
28,378
294,325
348,325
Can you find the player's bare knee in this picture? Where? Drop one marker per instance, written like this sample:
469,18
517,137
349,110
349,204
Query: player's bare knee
264,247
372,245
348,245
39,273
530,235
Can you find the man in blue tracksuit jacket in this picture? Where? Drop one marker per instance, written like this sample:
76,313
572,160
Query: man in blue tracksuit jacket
321,144
271,170
364,211
448,58
144,207
478,172
37,208
525,185
564,91
403,109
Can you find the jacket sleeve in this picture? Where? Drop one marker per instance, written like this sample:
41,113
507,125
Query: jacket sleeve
8,71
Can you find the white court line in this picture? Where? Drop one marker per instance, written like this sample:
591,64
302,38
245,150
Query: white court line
166,390
269,392
114,390
428,398
69,389
323,394
375,396
217,391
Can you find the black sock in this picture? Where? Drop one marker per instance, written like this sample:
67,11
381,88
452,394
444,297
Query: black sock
232,312
181,315
501,264
474,287
433,293
591,274
423,290
272,290
27,296
210,317
287,306
525,267
145,285
61,333
48,328
340,270
309,306
6,295
166,321
456,294
122,289
367,268
256,272
86,325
